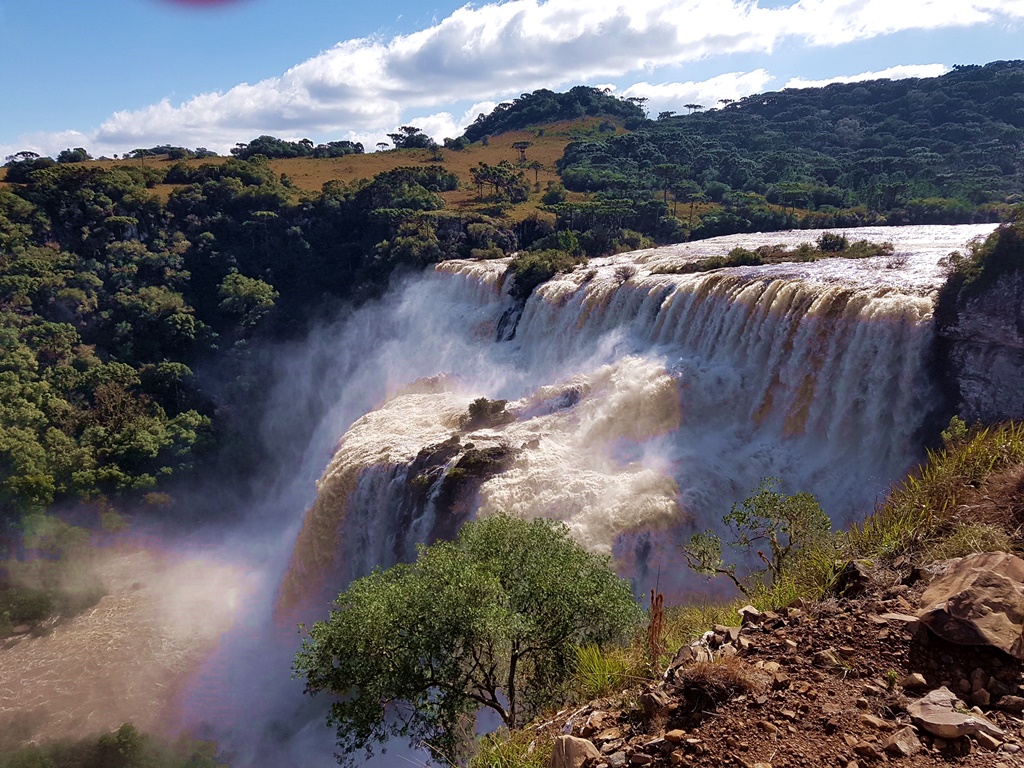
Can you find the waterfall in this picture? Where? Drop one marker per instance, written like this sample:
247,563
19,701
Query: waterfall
642,404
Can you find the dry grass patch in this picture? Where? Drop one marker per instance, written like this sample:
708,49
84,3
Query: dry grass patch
705,686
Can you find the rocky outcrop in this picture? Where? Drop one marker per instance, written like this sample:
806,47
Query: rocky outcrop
978,600
847,682
571,752
981,348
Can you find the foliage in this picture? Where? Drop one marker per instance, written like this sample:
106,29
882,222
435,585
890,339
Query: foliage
788,525
411,137
76,155
936,150
544,106
531,268
1000,253
923,509
776,254
602,671
125,748
490,620
273,147
484,414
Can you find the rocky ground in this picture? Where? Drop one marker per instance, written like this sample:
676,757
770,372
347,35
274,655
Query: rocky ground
849,682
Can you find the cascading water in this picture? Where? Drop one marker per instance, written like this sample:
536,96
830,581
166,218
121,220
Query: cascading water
640,405
689,389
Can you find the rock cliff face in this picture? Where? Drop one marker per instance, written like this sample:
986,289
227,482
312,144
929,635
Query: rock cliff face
981,336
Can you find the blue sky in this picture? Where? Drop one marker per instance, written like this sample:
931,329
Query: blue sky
112,75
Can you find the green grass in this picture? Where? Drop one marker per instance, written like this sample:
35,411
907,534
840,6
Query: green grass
518,749
920,513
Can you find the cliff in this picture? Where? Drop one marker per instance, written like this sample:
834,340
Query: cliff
981,330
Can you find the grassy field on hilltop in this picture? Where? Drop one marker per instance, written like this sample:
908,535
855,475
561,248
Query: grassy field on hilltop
308,175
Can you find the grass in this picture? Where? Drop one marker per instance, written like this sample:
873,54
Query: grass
308,175
517,749
967,497
928,507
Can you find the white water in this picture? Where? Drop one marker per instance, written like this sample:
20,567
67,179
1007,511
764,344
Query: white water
645,407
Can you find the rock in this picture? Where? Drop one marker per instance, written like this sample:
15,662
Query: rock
914,682
876,723
981,698
570,752
21,629
867,749
1012,704
903,743
768,728
982,332
675,737
979,600
988,742
639,758
653,702
979,678
618,760
937,713
750,615
854,578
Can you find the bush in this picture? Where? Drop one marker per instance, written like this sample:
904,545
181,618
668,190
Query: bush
484,413
830,242
788,526
531,268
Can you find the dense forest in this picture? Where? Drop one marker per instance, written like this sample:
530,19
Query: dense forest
914,151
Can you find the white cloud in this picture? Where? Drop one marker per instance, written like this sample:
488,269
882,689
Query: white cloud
673,96
892,73
361,86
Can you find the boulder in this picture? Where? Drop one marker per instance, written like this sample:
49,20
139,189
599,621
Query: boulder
903,743
979,600
942,714
570,752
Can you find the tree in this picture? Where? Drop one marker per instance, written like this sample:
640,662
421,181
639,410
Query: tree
410,137
78,155
247,298
521,147
490,620
693,107
789,524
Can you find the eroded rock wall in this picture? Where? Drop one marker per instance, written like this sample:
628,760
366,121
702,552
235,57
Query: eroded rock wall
981,335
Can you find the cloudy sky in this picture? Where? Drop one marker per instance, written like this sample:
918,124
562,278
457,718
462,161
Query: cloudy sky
112,75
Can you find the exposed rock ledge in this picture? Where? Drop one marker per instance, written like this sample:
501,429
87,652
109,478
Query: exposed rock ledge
981,337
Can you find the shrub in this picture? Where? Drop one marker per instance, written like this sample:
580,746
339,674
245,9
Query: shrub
531,268
830,242
789,525
484,413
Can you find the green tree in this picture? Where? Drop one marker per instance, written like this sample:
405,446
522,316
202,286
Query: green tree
411,137
248,298
787,524
490,620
